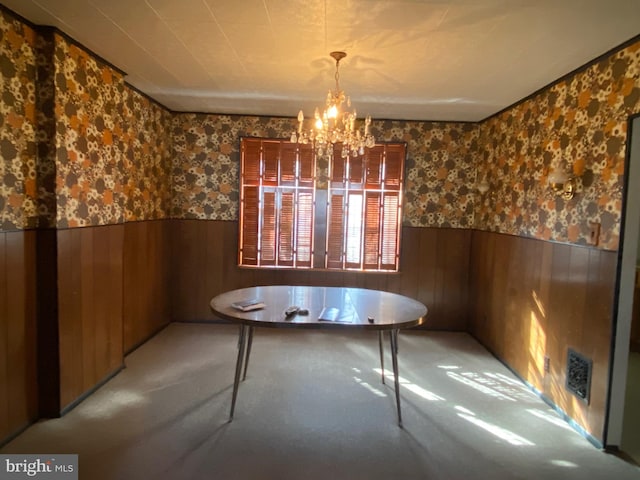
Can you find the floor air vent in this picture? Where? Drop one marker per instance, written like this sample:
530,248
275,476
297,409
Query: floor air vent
579,375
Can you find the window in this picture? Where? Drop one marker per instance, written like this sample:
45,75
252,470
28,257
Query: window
285,221
276,203
364,212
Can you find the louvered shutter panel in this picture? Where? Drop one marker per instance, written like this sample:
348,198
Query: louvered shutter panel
268,240
373,166
250,162
249,227
335,231
356,169
353,240
391,216
307,165
285,227
304,229
338,170
270,160
390,231
288,160
372,231
393,166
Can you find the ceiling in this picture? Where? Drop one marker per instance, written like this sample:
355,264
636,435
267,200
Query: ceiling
454,60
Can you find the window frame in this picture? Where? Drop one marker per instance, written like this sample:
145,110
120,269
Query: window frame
379,196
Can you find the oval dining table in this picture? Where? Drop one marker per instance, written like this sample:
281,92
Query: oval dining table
316,307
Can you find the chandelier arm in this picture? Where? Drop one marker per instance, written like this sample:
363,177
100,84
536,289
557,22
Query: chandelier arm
334,126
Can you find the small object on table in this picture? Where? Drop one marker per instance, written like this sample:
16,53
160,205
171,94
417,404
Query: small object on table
329,314
292,310
303,311
371,319
248,305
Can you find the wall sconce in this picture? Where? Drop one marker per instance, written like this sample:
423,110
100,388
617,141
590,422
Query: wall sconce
562,184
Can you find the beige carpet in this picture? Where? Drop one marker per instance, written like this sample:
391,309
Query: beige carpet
313,407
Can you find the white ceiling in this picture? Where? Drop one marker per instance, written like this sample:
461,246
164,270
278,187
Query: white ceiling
407,59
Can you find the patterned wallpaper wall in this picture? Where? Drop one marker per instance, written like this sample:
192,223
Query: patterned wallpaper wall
117,156
89,139
18,192
45,157
204,174
147,163
82,148
113,145
440,172
579,125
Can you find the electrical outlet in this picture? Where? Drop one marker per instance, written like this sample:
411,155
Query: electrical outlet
547,364
594,233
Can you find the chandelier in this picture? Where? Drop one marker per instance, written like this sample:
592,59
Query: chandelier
335,125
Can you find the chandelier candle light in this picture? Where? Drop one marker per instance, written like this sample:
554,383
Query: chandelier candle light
334,125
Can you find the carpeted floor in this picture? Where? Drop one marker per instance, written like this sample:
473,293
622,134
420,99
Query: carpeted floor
313,407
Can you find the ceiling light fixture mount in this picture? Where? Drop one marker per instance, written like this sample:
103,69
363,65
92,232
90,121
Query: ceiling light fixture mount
335,125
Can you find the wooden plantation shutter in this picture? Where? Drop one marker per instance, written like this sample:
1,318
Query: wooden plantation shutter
276,204
335,231
365,209
249,230
286,227
392,206
249,202
270,157
372,231
390,235
353,234
304,230
269,219
394,166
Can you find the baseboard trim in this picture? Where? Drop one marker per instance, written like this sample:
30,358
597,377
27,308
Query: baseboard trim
91,391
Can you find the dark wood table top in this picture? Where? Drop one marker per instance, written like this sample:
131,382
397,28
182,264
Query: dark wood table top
356,305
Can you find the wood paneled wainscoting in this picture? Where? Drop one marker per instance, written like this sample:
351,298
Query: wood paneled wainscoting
90,296
146,307
433,269
533,300
72,303
18,342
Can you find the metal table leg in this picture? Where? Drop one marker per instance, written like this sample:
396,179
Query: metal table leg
246,360
241,346
394,358
380,338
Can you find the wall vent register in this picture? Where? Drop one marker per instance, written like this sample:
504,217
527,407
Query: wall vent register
579,375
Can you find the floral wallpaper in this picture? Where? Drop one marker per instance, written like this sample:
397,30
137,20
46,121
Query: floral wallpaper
147,163
113,147
78,147
86,149
90,142
439,170
206,161
45,154
578,125
18,191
